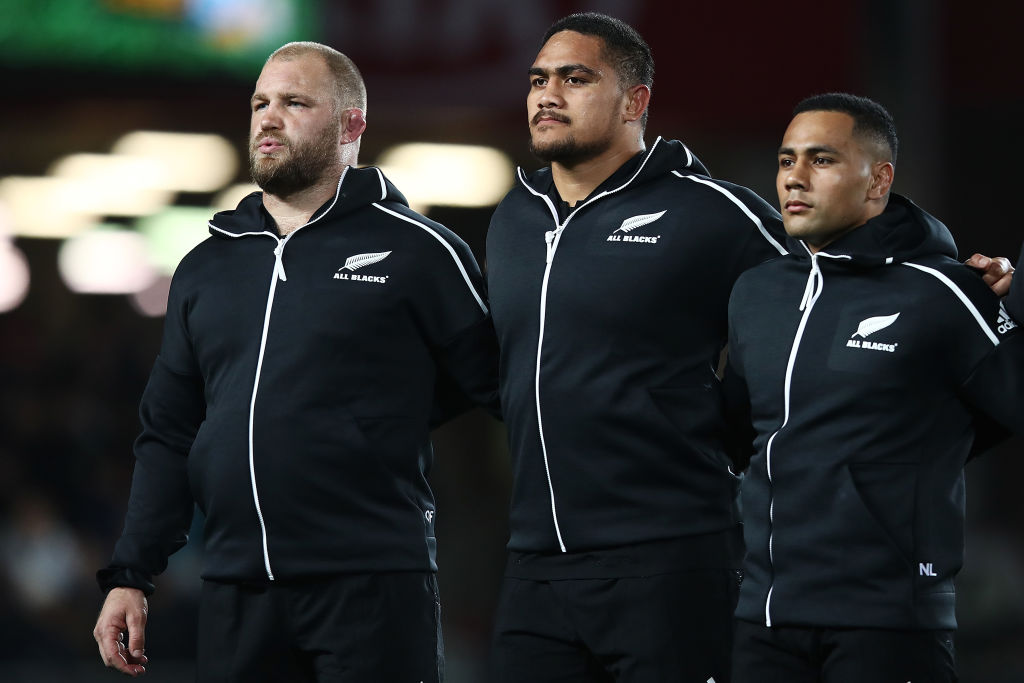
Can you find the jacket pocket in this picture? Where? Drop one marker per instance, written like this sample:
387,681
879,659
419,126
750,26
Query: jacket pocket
889,493
693,410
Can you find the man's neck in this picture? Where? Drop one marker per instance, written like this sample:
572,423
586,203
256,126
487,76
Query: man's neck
575,183
295,210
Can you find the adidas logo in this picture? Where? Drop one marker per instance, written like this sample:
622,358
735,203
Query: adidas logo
1004,322
354,263
869,326
631,224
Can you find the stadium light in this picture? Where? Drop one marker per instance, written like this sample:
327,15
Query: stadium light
192,162
14,276
436,174
172,233
106,260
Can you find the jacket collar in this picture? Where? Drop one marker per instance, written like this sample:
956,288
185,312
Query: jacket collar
902,232
663,156
357,187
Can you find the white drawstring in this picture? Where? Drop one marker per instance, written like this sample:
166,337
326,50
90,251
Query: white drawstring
279,262
815,283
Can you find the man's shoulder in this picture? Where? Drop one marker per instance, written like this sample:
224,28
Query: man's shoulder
208,253
411,224
718,193
953,292
771,270
432,243
946,276
766,284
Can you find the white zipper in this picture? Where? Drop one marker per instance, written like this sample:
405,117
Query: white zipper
278,274
812,291
551,242
551,239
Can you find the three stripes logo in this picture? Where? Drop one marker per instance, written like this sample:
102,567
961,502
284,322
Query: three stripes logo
354,263
1004,323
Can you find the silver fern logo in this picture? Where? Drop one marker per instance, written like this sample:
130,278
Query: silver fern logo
869,326
631,224
354,263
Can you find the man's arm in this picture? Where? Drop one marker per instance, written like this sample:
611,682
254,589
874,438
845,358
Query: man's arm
453,309
468,373
740,437
160,504
994,387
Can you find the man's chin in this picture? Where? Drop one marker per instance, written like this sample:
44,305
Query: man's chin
564,150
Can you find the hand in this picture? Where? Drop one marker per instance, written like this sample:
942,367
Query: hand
996,272
125,609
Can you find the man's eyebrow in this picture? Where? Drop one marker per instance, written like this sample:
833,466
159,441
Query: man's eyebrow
789,151
284,96
564,70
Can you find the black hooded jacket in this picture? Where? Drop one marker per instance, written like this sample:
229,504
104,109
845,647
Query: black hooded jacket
866,366
610,323
294,387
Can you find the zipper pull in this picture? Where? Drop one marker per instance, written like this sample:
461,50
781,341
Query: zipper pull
549,239
279,263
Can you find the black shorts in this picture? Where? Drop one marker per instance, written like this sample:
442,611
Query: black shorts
794,654
356,628
668,627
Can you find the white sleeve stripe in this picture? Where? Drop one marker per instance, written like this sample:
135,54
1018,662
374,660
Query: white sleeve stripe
743,207
443,241
383,185
960,295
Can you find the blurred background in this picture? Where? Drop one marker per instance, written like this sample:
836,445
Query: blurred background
123,127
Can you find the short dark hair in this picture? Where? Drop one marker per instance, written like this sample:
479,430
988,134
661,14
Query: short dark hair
870,119
624,48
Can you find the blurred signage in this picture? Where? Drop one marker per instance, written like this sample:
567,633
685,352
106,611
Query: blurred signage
177,36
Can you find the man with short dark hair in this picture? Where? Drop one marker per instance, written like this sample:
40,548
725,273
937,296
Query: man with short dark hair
609,274
292,401
867,356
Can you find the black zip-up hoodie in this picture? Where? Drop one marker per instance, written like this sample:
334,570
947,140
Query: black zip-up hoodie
866,366
293,391
610,324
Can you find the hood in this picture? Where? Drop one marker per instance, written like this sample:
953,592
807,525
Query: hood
902,232
357,187
663,157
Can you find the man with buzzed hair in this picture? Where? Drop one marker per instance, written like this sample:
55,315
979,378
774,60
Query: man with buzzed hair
305,343
863,361
348,86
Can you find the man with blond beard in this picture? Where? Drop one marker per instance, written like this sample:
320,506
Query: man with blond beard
292,399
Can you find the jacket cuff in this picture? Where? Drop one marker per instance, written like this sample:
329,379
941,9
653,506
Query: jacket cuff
123,577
